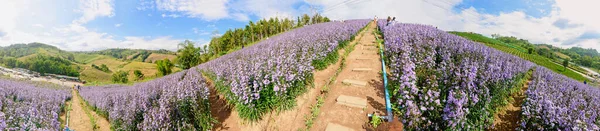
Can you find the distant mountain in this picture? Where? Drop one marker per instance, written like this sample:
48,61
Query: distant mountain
139,55
45,58
32,49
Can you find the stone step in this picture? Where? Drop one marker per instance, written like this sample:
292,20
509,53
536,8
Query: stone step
369,53
369,48
337,127
351,101
362,69
370,45
354,82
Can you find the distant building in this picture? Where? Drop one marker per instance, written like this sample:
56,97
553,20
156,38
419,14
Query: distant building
68,78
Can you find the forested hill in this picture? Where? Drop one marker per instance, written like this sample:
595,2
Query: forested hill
24,50
45,58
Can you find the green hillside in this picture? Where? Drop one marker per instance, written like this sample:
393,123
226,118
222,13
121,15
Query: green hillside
44,58
514,50
22,50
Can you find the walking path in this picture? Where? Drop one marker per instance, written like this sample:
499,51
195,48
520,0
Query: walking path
509,118
290,120
358,90
80,121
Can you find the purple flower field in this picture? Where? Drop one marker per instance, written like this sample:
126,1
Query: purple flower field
271,73
443,81
272,68
26,107
175,102
556,102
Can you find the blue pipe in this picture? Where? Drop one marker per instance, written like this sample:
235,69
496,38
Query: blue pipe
388,105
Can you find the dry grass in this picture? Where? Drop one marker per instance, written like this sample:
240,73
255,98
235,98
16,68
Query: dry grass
561,55
93,75
156,56
148,69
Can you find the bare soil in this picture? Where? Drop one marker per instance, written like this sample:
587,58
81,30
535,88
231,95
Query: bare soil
509,117
351,117
80,121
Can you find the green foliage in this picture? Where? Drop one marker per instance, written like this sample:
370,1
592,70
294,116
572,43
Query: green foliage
530,50
20,50
376,120
546,53
102,67
323,63
234,39
164,67
565,63
188,56
138,74
43,64
268,101
537,59
127,54
11,62
120,77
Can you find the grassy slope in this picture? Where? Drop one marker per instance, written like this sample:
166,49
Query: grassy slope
94,76
85,58
537,59
157,56
561,55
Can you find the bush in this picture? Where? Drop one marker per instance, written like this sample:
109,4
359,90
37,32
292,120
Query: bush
102,68
138,74
120,77
164,67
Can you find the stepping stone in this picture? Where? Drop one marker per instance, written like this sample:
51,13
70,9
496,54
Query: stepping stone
351,101
362,69
336,127
354,82
369,47
369,53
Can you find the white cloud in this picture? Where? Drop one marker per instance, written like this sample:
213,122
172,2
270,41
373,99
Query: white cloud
94,8
164,42
265,9
195,30
16,26
170,15
204,9
200,32
38,25
240,17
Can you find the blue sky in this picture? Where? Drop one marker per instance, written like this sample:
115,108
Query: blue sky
147,24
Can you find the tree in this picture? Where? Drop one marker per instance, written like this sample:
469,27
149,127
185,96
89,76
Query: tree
566,63
138,74
164,67
188,55
120,77
530,50
305,19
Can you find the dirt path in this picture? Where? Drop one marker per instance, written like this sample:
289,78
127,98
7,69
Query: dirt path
80,121
290,120
509,118
364,56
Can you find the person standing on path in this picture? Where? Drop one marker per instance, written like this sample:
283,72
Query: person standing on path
375,19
